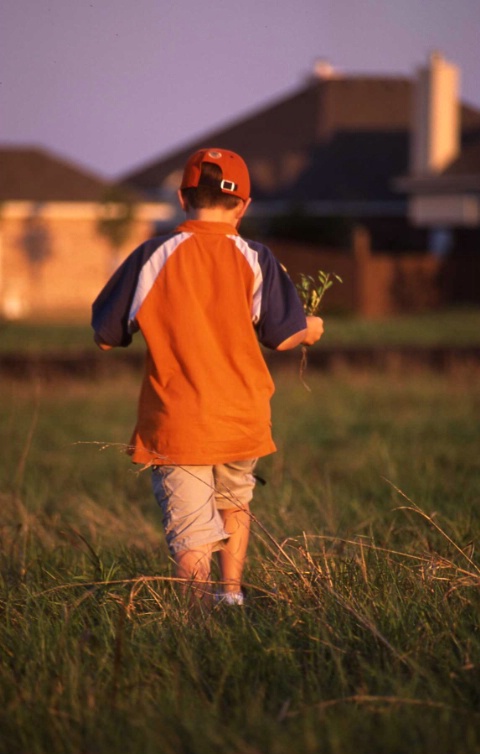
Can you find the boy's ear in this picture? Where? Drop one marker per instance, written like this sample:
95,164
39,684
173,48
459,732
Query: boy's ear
181,200
243,208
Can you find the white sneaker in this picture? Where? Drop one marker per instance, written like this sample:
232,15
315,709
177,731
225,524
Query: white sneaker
229,598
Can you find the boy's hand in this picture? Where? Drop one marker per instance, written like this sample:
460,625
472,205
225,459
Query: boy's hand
314,331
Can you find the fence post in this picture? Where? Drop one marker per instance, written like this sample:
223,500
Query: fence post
361,250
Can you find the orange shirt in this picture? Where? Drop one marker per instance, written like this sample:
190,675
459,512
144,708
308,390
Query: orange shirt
200,297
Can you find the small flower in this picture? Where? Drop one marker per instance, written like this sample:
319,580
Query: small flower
311,291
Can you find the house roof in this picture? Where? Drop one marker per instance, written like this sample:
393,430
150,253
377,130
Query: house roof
277,140
353,166
341,138
33,174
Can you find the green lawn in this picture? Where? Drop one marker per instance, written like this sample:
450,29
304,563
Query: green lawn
360,632
451,327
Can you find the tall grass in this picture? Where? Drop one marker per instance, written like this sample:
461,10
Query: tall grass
360,631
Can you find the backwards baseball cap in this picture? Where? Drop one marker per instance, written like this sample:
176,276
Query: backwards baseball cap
235,178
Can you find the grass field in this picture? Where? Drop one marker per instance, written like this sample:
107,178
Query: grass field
450,327
361,630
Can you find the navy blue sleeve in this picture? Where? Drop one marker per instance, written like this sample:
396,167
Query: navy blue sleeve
281,311
111,308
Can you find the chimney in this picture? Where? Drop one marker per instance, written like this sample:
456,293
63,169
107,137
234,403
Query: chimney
436,132
323,69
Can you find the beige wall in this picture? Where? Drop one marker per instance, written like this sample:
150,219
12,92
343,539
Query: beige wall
461,210
76,262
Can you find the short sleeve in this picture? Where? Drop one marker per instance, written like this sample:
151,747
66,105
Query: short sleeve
110,310
281,311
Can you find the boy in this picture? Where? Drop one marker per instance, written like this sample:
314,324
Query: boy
203,298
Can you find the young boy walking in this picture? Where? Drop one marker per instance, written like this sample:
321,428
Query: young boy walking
203,298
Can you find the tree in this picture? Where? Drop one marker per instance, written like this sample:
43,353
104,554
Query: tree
117,215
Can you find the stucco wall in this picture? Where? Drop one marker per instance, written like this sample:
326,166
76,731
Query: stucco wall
52,265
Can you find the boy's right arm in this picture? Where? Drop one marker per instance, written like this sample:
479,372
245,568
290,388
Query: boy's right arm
110,309
101,343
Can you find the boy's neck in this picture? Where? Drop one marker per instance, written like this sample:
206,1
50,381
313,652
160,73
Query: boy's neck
213,215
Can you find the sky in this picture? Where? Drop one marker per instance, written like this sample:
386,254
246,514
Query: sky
115,84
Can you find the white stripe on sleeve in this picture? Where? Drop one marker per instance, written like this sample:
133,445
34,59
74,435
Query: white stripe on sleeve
150,272
252,258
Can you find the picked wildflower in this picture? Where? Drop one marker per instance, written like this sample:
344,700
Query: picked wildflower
311,292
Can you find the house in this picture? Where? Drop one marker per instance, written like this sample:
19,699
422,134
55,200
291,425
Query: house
62,232
442,181
443,177
324,157
392,160
337,159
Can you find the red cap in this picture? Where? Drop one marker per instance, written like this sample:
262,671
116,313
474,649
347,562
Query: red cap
235,177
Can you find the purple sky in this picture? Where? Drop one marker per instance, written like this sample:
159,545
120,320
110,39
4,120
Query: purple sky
112,84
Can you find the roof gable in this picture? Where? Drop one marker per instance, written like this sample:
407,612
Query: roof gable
336,137
32,174
297,123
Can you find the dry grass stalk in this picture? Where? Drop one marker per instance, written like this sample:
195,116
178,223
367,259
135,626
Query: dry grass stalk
379,700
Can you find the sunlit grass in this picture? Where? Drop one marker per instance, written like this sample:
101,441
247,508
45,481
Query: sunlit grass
452,327
361,626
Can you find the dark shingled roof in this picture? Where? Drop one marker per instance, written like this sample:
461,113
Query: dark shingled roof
353,166
468,162
32,174
277,141
341,139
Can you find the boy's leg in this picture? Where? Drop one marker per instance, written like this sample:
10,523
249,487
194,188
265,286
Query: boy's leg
194,567
234,484
232,556
193,526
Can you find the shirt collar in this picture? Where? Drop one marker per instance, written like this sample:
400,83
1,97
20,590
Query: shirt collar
202,226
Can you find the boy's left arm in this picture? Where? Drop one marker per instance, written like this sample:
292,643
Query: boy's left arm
282,323
306,337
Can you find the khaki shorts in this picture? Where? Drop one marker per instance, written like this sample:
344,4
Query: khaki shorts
192,496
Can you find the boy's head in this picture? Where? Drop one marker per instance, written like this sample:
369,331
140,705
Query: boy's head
215,178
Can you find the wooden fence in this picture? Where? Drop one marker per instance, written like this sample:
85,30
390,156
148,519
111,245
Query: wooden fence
379,284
